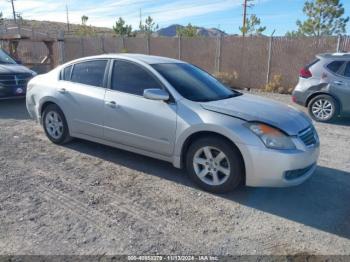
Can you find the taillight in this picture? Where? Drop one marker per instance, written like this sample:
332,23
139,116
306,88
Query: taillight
305,73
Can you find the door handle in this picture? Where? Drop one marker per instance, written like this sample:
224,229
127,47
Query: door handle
62,90
339,83
111,104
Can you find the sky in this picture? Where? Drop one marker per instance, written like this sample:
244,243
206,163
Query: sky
279,15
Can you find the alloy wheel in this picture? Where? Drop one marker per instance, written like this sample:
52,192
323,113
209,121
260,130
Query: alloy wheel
322,109
211,165
54,125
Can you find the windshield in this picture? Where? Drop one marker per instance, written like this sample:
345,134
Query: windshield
193,83
5,58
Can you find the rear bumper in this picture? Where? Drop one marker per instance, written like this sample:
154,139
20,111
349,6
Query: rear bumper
299,97
277,168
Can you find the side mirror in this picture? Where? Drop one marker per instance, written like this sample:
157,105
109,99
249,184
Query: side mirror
156,94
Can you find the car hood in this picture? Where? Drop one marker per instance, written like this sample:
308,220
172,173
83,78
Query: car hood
13,68
255,108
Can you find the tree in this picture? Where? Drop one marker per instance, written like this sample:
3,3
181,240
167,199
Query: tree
325,18
187,31
84,19
149,27
122,29
293,34
84,29
252,26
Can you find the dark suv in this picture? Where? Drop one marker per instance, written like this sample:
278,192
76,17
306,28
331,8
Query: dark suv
324,87
13,77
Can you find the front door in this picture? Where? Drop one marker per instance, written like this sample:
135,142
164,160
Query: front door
131,119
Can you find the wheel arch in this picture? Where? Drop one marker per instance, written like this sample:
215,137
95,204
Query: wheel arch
45,103
313,95
200,134
65,137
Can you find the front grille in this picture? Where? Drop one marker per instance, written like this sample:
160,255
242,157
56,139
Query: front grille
308,136
15,80
295,174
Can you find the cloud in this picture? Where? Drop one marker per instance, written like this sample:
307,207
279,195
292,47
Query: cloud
105,12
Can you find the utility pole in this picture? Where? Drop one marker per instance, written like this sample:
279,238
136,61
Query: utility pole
13,11
140,19
67,14
244,16
246,5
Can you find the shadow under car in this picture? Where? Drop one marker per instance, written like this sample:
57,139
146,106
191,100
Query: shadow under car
322,202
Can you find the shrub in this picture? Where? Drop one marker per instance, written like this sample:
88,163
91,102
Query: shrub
228,79
275,86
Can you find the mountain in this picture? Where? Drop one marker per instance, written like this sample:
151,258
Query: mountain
48,27
52,28
170,31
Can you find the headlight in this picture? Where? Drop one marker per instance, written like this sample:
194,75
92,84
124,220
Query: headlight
271,137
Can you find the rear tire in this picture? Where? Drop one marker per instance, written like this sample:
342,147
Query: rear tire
215,165
55,125
323,108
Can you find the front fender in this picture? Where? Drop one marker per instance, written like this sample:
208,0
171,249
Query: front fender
223,125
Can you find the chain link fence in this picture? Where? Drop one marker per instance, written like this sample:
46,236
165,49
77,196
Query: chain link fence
254,60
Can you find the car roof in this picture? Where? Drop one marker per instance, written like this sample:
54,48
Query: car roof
334,55
148,59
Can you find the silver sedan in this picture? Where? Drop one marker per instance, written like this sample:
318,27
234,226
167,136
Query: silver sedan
176,112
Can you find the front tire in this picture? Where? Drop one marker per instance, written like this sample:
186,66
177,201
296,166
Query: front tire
55,125
215,165
323,108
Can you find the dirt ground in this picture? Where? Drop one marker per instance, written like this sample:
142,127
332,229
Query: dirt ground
85,198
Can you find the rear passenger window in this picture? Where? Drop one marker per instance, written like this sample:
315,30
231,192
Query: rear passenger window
335,66
66,73
89,73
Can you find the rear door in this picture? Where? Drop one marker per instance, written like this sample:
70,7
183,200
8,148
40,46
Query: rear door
341,88
131,119
81,93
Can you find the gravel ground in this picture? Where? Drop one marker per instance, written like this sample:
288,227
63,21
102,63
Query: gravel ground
85,198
